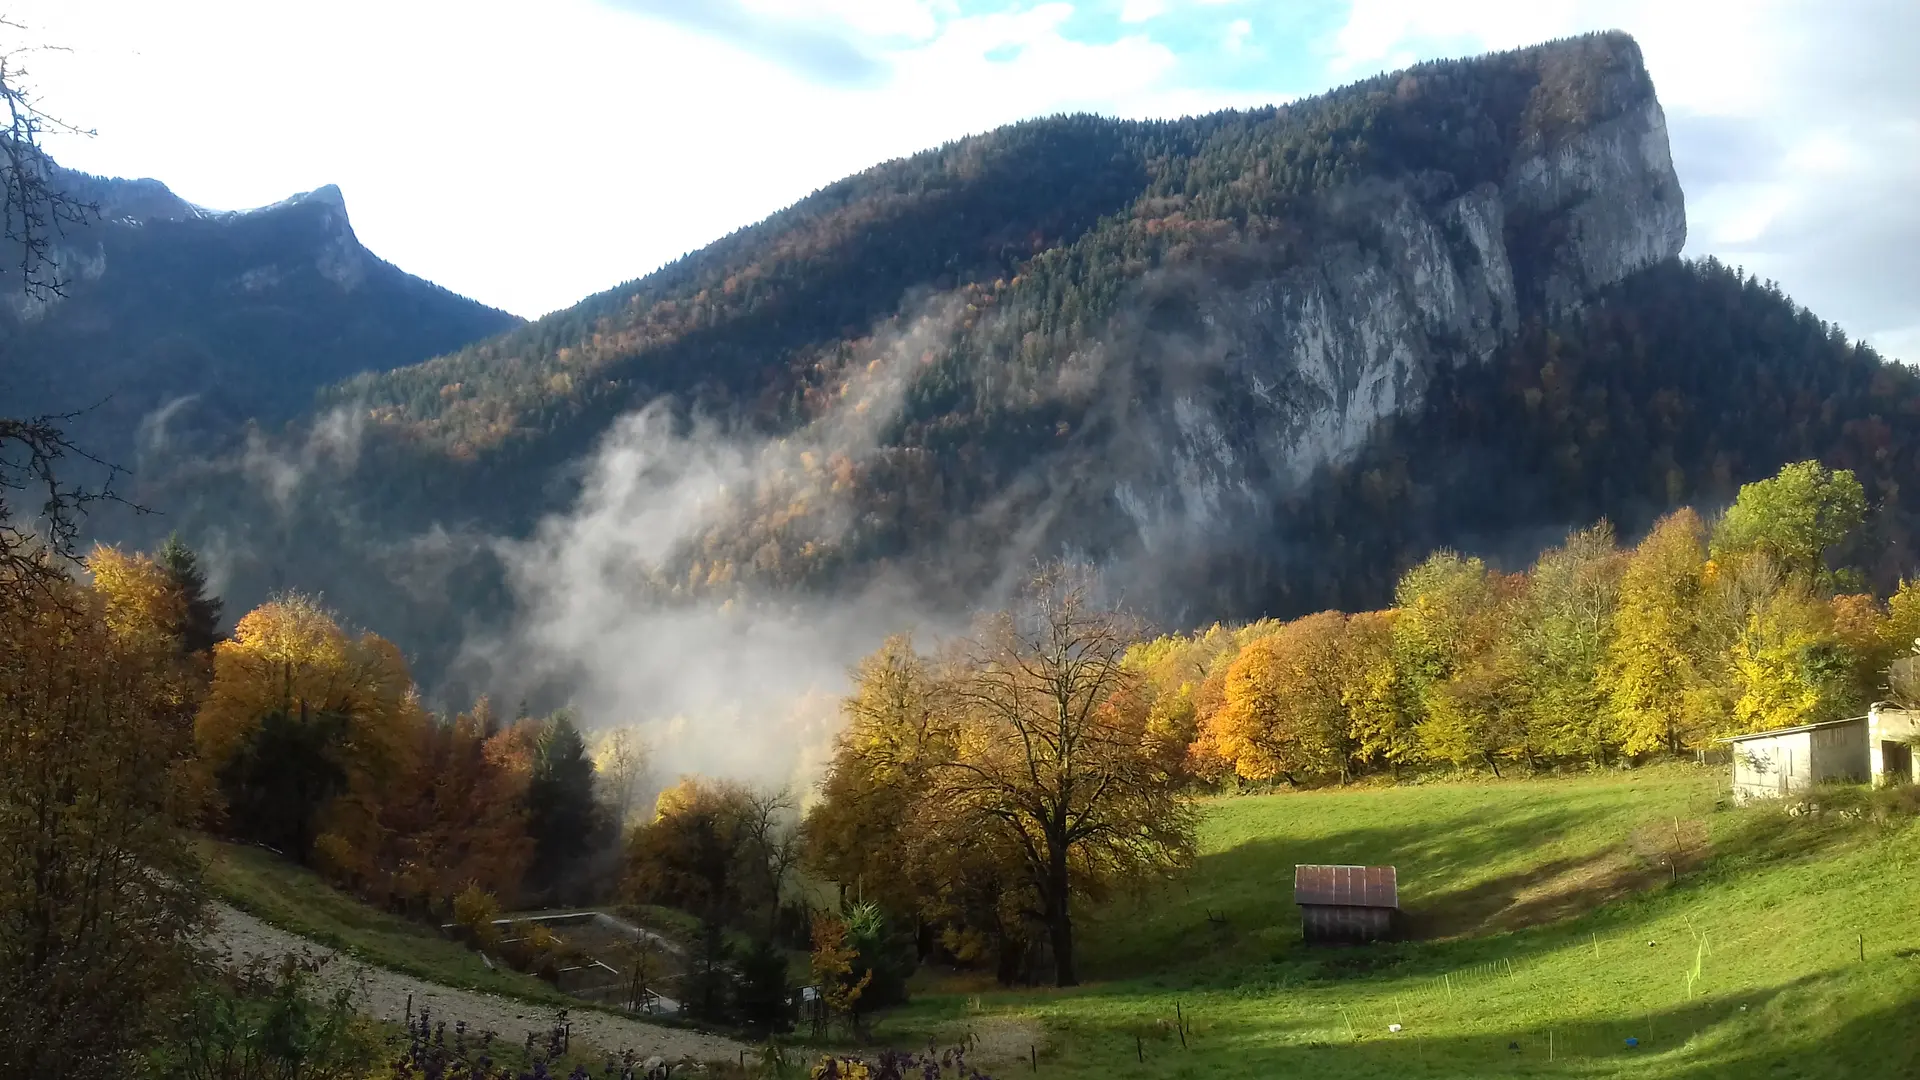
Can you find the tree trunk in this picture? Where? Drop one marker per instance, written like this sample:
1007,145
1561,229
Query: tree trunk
1495,765
1060,915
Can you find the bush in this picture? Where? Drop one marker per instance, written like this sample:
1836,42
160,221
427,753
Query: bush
264,1020
883,949
892,1065
473,912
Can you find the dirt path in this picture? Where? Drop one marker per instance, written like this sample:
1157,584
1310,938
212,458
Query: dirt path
384,995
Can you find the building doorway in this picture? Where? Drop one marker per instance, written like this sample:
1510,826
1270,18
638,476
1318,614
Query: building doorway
1896,760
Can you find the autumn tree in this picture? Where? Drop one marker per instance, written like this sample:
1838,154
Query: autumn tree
1479,714
1563,628
1052,753
1786,662
620,770
1650,669
306,728
840,987
708,851
1459,661
1792,517
1285,714
456,820
898,728
873,831
99,896
1436,602
1372,693
1861,632
1900,642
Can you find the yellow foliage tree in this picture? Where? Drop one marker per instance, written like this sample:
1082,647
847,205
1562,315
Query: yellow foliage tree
1052,757
338,710
1370,692
99,897
1649,668
1786,664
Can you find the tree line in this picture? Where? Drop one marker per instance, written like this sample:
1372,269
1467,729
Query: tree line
987,791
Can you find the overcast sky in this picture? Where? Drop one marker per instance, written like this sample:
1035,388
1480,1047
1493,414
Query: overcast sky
528,154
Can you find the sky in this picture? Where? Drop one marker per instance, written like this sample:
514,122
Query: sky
530,154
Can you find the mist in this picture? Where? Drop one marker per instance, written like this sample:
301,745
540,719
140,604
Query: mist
721,676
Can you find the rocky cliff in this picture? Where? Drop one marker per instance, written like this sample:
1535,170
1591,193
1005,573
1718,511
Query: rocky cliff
178,324
1264,384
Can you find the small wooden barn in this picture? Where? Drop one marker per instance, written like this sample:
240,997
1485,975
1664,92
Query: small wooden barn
1787,761
1346,903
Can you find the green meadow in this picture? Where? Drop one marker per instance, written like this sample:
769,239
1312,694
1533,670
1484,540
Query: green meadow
1624,924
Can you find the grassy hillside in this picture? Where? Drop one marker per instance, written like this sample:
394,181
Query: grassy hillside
1561,919
293,898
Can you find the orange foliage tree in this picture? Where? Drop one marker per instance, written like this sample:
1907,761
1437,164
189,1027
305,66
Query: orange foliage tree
305,728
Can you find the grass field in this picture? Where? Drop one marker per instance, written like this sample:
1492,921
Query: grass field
295,899
1558,920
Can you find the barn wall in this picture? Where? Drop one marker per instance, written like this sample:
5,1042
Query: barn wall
1771,767
1840,752
1331,923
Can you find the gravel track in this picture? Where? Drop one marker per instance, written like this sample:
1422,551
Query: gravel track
384,994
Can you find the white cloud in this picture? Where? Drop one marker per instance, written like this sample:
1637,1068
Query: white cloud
1237,33
528,156
530,160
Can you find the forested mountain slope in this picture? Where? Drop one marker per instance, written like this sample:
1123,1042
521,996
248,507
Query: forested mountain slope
1252,362
178,325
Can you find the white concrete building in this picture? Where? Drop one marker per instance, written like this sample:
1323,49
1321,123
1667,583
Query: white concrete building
1878,747
1891,737
1786,761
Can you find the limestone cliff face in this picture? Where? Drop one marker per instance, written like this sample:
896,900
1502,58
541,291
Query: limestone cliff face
1266,383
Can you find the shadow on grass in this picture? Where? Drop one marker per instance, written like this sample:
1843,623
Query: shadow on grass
1820,1026
1235,913
1238,903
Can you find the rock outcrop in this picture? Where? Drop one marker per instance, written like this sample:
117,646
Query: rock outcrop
1265,383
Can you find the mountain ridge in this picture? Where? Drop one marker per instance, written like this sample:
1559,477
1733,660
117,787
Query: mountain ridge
184,322
1197,352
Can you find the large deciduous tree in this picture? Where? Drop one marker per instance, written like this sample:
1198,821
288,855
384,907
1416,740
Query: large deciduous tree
1564,628
306,729
1285,714
1792,517
457,818
1052,754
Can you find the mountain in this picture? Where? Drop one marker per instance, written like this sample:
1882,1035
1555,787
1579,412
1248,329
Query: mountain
1252,362
180,325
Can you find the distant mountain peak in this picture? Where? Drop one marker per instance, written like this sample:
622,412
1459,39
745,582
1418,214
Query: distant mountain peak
326,195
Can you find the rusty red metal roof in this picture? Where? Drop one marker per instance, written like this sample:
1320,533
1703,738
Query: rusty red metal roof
1346,886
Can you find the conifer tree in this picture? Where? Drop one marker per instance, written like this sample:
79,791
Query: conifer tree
199,624
562,811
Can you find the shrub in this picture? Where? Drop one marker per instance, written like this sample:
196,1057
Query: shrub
474,910
265,1020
